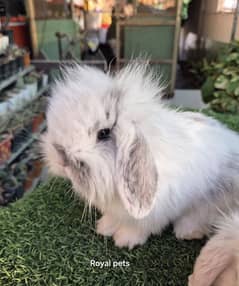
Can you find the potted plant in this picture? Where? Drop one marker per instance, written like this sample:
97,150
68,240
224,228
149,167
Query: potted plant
4,108
1,70
5,147
26,59
37,121
13,65
38,77
19,55
2,200
3,175
37,168
17,98
19,170
13,190
20,136
6,68
34,171
44,80
17,123
29,178
31,85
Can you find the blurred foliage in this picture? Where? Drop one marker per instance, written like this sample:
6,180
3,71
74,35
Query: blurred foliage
184,12
220,79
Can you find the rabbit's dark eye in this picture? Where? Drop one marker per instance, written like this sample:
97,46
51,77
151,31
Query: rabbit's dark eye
103,134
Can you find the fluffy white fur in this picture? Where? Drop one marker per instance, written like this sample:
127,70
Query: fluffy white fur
160,166
218,262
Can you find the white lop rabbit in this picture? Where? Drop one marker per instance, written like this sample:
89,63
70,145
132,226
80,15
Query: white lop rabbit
140,163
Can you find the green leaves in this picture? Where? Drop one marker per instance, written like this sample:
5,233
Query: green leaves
221,82
184,12
230,71
231,87
236,91
208,89
232,57
221,87
225,105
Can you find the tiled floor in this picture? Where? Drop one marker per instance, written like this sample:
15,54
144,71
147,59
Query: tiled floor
190,98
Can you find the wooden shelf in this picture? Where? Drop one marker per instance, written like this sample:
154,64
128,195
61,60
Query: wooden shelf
38,94
5,83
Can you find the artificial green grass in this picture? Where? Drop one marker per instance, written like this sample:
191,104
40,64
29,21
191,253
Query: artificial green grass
47,239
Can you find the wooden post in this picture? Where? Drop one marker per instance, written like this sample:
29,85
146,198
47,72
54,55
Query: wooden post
176,43
118,44
235,21
33,28
135,5
200,42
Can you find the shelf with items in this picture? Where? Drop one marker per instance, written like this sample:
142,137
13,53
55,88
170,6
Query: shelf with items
13,78
21,176
21,130
25,145
14,63
26,89
22,120
23,99
24,168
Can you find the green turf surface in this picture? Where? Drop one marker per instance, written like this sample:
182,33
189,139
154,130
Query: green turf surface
47,239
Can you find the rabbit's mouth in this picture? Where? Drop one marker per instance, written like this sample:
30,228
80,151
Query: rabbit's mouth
91,172
93,181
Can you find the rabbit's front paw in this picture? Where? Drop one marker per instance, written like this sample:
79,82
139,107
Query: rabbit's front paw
187,229
129,236
106,225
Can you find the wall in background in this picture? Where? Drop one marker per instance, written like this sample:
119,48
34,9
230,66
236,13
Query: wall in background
216,25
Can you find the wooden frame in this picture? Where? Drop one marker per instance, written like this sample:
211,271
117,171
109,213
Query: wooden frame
151,23
33,28
37,21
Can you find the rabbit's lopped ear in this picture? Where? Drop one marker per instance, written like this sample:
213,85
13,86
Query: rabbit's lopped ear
137,174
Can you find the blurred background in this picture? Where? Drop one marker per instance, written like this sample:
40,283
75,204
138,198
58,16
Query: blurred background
191,44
